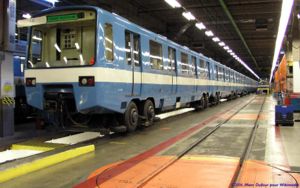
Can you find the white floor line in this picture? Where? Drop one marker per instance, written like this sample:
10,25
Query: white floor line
10,155
76,138
174,113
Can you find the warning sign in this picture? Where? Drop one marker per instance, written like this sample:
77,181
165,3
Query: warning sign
8,101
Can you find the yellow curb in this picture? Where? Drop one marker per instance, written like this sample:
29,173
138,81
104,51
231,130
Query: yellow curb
38,164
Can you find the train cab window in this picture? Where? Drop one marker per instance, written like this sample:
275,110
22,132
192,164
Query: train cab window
171,59
184,63
64,43
156,56
193,66
134,50
108,37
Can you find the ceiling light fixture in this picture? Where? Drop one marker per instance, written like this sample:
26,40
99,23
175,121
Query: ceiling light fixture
188,15
216,39
26,16
226,48
173,3
209,33
200,25
286,9
221,44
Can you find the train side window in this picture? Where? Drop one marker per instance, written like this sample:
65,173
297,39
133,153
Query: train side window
156,55
221,74
203,69
216,72
135,49
108,36
184,63
171,59
193,66
208,70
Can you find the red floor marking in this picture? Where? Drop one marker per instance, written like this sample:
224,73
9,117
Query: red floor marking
280,149
110,173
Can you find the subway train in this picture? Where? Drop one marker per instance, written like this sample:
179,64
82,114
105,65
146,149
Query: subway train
96,64
22,111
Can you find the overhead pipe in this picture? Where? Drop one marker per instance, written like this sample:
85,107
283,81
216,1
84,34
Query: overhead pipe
224,6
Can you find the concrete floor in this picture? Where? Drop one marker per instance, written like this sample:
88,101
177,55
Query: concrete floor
229,142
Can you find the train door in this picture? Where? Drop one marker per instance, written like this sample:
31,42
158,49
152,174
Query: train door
194,73
133,57
173,66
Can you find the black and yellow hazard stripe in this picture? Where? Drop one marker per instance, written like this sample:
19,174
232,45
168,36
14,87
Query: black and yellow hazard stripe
8,100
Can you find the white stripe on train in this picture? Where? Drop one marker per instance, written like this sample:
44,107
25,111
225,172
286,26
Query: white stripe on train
103,74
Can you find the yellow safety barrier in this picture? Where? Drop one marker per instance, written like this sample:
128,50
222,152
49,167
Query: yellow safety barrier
38,164
8,101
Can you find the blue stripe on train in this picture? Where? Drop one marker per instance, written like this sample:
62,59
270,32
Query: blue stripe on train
111,95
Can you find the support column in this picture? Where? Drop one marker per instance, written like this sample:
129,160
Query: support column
7,46
296,55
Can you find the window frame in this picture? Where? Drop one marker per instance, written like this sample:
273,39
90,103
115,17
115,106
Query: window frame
112,41
162,55
184,64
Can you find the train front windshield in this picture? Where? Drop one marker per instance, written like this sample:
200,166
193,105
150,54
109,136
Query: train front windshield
66,40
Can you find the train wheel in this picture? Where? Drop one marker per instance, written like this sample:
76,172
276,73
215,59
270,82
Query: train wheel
217,98
205,104
149,112
131,117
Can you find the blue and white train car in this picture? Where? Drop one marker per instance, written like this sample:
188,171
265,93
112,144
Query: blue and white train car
95,62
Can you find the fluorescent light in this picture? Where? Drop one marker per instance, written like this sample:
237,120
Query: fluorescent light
65,59
36,38
81,59
298,16
52,1
216,39
226,48
229,51
232,53
57,48
77,46
108,40
286,9
209,33
221,44
200,25
26,16
47,64
173,3
188,15
22,67
16,34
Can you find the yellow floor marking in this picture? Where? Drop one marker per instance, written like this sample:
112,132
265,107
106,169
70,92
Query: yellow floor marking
36,145
38,164
120,143
210,158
